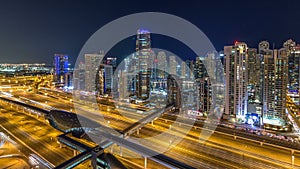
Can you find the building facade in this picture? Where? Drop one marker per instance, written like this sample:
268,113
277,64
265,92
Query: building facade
61,68
143,52
92,62
236,73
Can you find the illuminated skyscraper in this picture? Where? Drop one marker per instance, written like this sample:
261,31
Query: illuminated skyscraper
143,51
236,80
162,64
78,79
275,86
173,91
189,72
112,61
61,68
263,45
92,62
289,44
104,79
199,69
183,69
204,85
281,82
269,82
172,65
294,69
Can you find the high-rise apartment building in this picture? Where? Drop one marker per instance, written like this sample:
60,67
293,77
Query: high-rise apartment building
112,61
104,80
173,91
189,69
263,45
294,69
269,83
281,82
162,65
183,70
199,69
79,77
236,99
275,87
92,62
172,65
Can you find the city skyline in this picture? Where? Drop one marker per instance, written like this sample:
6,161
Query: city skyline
149,84
62,27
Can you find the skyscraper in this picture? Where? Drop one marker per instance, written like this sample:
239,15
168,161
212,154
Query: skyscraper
294,70
275,86
104,79
162,64
236,57
189,69
78,79
92,62
281,81
173,91
143,51
61,68
199,69
203,82
269,83
263,45
172,65
183,70
112,61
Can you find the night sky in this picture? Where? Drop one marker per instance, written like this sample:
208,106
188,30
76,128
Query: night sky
33,30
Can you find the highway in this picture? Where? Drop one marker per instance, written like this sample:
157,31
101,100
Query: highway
41,138
220,139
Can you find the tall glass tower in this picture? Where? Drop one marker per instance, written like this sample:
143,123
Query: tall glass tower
143,51
61,68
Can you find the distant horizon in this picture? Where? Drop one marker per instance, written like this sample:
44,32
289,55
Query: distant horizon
132,49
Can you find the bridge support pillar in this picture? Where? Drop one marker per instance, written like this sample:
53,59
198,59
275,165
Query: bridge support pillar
152,122
74,153
60,145
138,131
145,163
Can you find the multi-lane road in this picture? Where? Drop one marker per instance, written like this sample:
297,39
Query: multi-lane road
33,136
221,149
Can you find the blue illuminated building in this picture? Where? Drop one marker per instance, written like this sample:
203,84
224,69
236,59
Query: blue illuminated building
61,68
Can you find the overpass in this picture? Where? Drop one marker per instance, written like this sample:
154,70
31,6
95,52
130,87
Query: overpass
145,152
142,122
86,153
68,122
